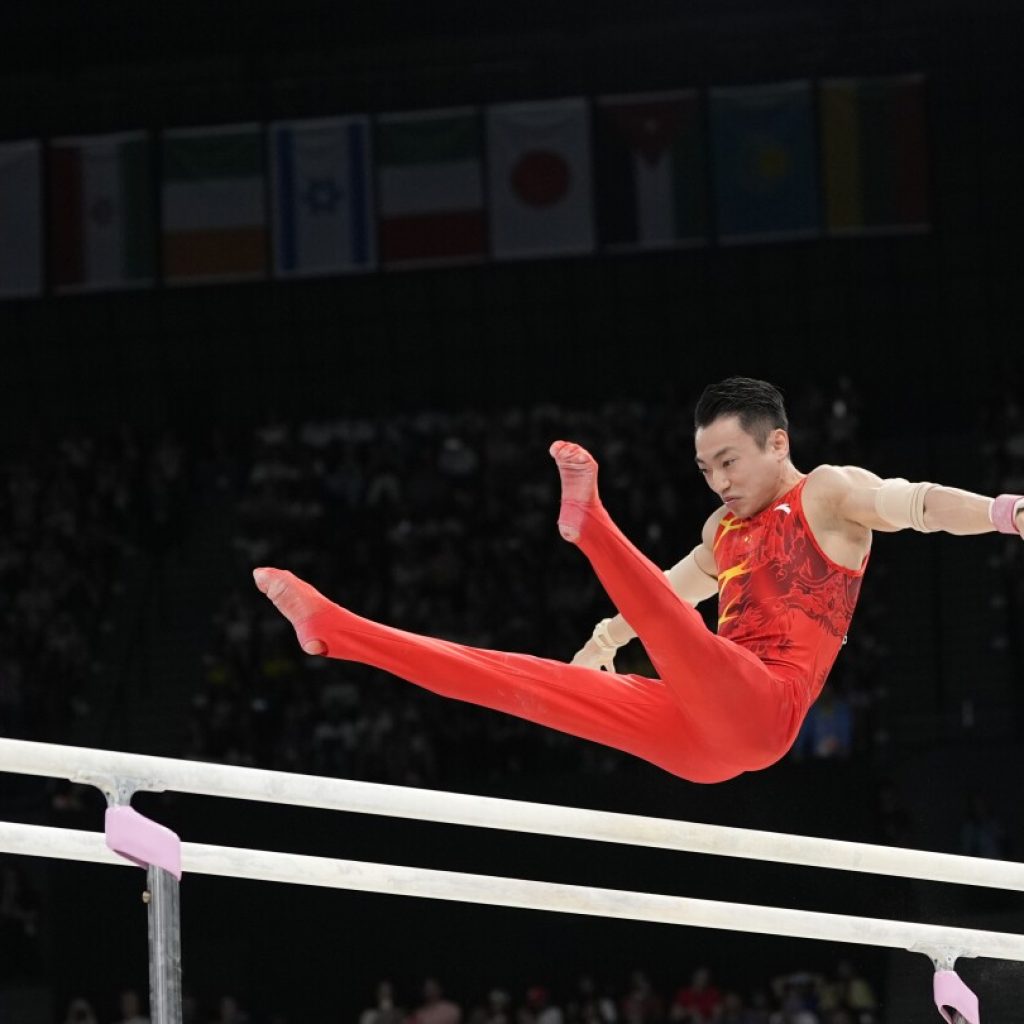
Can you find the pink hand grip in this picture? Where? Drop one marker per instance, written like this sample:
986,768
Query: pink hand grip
1003,512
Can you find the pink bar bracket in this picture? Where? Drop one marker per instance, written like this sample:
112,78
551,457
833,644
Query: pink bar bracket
143,842
952,994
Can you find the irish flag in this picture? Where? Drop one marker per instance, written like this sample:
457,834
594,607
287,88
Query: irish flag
429,187
214,218
21,272
875,149
321,188
650,172
539,176
101,212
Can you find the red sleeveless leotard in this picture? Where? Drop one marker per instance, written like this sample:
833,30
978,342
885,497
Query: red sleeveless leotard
780,596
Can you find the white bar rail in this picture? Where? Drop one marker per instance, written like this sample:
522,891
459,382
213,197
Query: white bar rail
233,862
81,764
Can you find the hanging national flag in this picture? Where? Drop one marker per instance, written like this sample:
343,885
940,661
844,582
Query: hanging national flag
101,212
21,250
765,167
875,148
214,220
539,175
650,172
430,189
321,196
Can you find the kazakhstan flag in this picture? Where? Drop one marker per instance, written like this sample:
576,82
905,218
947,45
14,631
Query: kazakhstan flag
765,162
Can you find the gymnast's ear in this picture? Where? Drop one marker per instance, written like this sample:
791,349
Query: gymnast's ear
778,443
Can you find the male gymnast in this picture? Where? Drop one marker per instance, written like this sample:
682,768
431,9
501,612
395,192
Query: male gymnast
785,553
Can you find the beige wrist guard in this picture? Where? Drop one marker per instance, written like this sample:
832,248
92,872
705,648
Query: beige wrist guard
901,504
603,639
690,581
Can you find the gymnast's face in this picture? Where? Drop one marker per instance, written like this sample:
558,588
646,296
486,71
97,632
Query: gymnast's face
745,475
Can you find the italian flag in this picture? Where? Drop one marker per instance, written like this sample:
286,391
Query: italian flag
874,141
213,202
429,184
101,212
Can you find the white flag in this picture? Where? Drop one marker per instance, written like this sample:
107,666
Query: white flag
322,196
21,251
540,180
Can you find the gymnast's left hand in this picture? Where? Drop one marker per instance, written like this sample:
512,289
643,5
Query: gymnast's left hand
591,656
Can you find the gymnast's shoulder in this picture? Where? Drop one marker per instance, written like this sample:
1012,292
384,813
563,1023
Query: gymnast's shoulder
711,526
845,494
827,481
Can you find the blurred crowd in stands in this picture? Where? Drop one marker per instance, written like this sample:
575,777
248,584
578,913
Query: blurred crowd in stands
843,996
72,515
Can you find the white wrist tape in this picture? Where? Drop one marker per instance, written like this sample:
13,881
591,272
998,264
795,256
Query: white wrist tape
901,504
603,638
690,581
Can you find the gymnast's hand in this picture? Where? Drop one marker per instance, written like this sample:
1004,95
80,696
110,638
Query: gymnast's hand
590,655
599,651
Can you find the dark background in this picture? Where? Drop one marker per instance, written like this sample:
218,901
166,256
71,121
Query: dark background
903,312
926,327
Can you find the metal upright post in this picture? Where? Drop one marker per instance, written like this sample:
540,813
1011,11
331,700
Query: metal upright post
158,850
164,947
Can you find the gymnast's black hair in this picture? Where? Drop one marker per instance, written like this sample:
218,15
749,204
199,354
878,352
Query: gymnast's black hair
757,403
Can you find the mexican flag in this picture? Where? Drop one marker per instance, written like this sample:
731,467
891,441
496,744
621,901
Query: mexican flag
650,160
431,206
214,220
101,212
539,177
21,253
875,154
320,172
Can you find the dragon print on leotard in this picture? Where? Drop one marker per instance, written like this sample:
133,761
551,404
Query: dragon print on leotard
780,596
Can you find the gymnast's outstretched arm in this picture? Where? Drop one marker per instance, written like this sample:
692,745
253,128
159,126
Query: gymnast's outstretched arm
694,578
861,497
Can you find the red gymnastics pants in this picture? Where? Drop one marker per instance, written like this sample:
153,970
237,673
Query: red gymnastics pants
715,712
